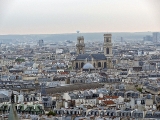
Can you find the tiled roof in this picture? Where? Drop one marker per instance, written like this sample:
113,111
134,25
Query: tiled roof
108,102
100,98
111,97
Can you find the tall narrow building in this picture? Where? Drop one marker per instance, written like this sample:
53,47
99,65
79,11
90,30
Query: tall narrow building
41,43
107,46
80,45
156,37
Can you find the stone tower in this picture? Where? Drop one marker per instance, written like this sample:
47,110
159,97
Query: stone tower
107,46
80,45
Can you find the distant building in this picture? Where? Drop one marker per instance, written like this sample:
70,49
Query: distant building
156,36
80,45
140,52
122,39
107,46
41,43
59,51
148,38
7,62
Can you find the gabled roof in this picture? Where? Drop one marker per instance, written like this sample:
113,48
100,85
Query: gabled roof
90,56
99,56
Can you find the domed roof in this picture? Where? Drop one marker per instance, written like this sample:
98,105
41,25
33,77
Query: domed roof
88,66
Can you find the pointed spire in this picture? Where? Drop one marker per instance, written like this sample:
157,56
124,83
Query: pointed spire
13,112
12,98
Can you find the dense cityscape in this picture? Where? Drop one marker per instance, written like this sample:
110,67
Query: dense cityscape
79,59
80,80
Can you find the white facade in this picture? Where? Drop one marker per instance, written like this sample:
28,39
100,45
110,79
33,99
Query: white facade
6,62
59,51
60,70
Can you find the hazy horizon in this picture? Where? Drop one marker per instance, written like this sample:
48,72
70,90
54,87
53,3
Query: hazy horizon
65,17
73,36
80,33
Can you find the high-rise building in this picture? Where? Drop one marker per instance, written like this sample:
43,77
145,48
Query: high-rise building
156,37
148,38
122,39
40,43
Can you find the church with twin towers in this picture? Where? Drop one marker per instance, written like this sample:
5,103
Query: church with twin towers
93,61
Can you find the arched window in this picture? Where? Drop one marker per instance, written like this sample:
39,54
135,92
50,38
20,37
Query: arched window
105,65
107,50
82,64
107,39
76,65
99,64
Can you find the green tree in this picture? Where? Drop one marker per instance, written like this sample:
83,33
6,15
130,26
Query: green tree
139,89
20,60
51,113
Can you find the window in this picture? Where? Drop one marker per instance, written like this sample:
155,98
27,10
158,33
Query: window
82,64
107,50
99,64
107,39
76,65
105,65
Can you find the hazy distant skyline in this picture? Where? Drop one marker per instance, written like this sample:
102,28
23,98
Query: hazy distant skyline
67,16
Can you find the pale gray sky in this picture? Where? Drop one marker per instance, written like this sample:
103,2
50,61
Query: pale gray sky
67,16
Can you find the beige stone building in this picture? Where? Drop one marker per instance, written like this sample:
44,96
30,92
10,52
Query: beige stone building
94,61
80,45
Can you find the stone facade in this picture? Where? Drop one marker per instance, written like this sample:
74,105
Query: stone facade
107,46
80,45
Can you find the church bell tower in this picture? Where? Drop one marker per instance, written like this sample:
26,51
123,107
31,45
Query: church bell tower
107,46
80,45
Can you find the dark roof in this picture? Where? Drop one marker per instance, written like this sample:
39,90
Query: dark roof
90,56
73,87
3,96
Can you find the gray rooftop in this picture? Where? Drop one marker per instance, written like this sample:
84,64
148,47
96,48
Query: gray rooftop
90,56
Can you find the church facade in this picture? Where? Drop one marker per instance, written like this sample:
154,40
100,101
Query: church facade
99,61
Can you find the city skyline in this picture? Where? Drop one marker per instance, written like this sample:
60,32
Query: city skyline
52,17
